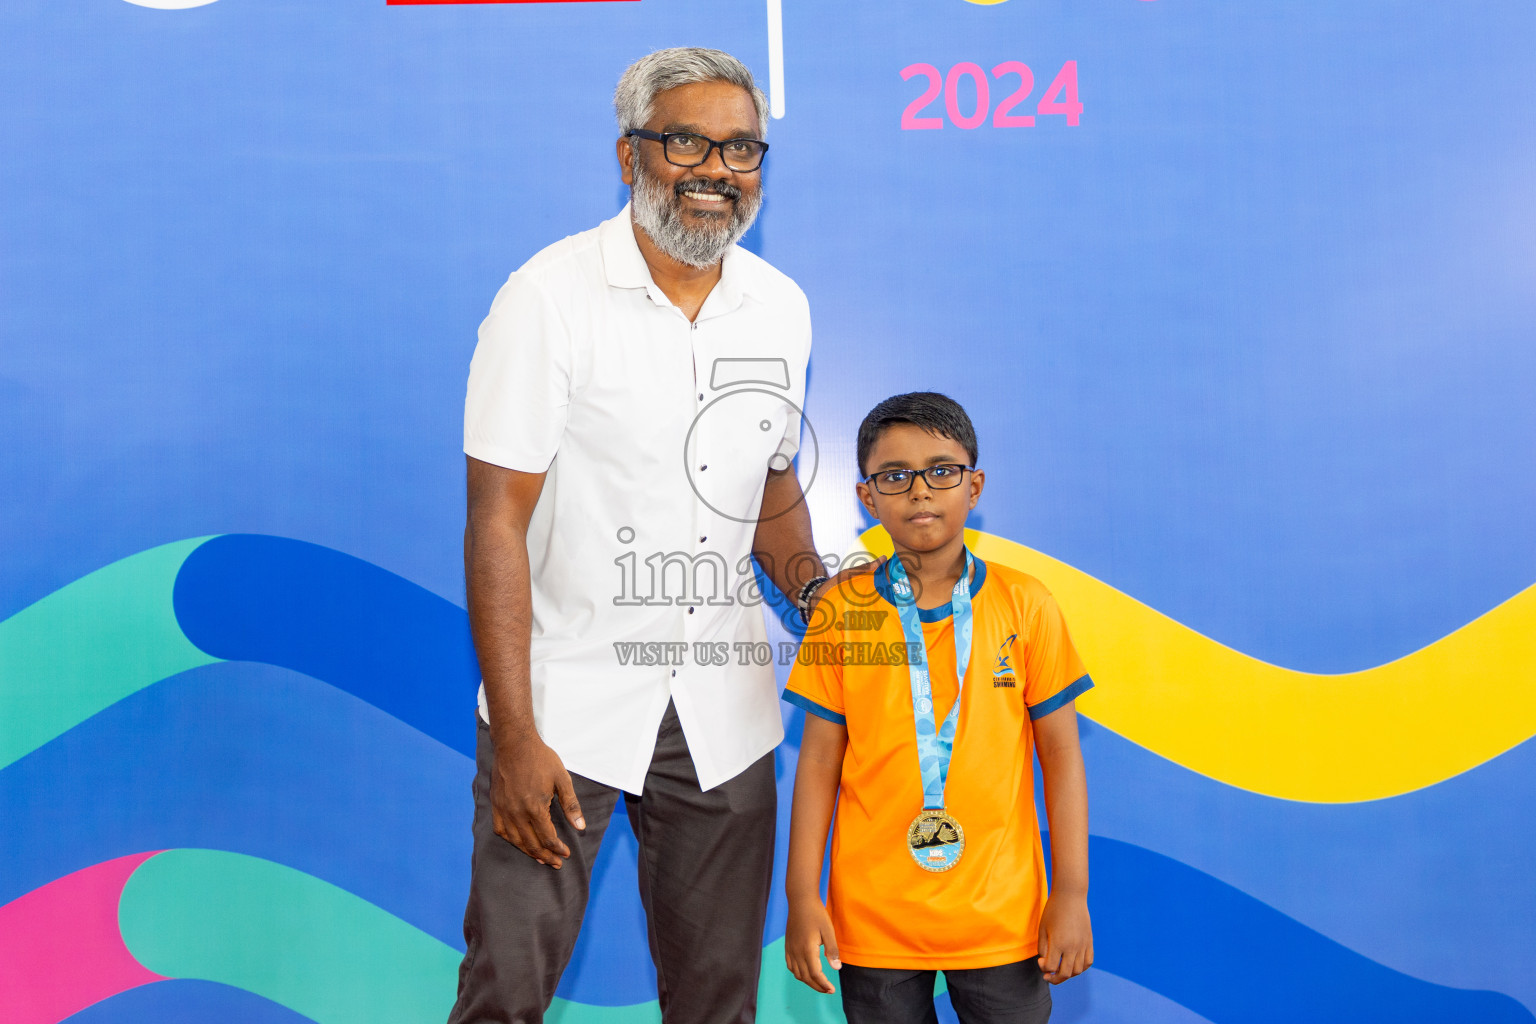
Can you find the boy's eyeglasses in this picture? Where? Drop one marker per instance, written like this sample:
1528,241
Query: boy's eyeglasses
685,149
899,481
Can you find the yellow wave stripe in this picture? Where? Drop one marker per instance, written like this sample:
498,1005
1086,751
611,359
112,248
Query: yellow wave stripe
1392,729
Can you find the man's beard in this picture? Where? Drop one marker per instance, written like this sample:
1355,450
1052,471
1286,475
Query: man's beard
659,212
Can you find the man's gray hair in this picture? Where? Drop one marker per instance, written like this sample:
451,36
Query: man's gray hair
682,65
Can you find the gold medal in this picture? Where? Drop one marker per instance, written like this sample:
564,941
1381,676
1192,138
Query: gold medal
935,840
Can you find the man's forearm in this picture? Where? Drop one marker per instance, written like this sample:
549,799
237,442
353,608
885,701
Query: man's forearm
783,544
500,595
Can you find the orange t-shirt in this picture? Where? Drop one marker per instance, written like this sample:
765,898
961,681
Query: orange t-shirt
985,911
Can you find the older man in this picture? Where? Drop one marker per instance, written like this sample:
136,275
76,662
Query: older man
600,451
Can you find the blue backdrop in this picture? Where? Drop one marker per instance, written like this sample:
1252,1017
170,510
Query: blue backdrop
1252,342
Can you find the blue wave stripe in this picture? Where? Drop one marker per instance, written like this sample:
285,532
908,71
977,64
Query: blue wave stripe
187,1002
1381,877
378,636
1230,958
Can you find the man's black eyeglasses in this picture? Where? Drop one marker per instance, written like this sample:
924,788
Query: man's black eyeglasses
685,149
899,481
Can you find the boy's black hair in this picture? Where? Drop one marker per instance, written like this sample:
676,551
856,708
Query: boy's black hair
935,413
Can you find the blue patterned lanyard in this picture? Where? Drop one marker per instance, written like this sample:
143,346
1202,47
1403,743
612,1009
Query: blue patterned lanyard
935,744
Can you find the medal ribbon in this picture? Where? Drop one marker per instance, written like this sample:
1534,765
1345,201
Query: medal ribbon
935,743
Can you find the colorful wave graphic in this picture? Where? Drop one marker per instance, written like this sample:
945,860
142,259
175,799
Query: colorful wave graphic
1295,735
315,948
276,864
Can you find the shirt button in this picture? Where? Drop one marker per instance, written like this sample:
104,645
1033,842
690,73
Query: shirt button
703,468
703,539
690,610
674,673
701,396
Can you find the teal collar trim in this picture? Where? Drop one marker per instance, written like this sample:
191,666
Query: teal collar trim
943,611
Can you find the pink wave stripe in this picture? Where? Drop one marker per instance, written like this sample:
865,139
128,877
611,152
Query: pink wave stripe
60,946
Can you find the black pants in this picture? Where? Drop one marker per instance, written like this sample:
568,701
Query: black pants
706,860
1010,994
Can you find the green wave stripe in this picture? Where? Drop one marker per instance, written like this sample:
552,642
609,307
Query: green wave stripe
284,935
88,645
338,959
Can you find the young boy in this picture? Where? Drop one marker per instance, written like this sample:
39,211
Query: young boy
936,860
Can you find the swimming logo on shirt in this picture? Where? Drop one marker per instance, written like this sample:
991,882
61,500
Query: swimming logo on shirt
1002,671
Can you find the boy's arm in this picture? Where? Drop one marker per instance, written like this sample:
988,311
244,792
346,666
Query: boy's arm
1066,936
816,782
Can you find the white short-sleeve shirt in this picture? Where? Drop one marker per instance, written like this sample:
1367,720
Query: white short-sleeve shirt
657,435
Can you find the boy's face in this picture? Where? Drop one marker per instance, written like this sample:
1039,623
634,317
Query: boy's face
924,518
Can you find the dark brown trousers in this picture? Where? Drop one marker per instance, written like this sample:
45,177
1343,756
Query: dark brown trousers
706,860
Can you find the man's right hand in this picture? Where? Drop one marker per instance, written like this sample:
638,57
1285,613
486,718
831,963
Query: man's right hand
526,778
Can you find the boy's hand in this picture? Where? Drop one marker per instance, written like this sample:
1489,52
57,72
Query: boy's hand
1066,938
809,929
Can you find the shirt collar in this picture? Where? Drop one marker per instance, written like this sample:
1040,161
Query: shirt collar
887,590
624,267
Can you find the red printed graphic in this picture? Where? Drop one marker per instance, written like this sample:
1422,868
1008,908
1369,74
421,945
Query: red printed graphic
414,3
